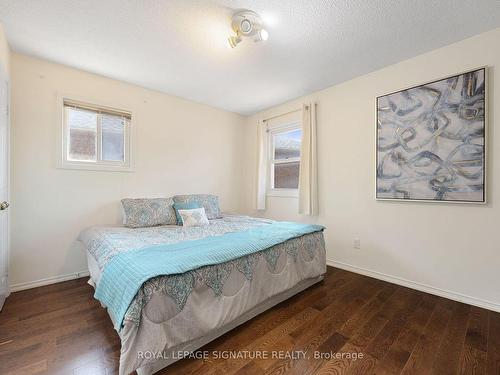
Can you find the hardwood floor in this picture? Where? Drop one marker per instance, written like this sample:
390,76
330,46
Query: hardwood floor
61,329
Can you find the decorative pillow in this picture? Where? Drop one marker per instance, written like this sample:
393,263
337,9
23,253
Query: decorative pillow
140,213
209,202
183,206
195,217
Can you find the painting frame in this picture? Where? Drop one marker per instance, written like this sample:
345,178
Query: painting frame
485,166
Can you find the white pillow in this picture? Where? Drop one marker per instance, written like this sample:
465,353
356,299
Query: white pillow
194,217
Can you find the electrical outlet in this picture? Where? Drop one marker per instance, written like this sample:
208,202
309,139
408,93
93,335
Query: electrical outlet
356,244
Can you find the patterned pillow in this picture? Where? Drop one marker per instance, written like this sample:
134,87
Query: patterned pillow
195,217
183,206
148,212
207,201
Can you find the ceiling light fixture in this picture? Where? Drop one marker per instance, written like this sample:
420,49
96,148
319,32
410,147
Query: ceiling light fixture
247,23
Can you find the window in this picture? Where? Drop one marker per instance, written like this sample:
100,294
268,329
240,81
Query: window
284,162
95,137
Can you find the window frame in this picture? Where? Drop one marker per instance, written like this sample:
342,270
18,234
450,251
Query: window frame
63,161
272,131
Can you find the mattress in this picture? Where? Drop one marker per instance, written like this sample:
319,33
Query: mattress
177,312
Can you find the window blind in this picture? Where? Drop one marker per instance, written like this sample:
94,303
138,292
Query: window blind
98,109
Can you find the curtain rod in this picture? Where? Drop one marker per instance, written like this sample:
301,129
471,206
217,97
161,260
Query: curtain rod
284,114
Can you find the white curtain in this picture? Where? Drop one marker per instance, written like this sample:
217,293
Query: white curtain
308,175
262,165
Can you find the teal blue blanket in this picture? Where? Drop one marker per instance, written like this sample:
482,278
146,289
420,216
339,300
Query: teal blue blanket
125,273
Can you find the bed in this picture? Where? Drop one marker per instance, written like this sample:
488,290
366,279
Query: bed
191,299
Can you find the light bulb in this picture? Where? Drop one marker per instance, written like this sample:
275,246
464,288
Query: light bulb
234,40
264,35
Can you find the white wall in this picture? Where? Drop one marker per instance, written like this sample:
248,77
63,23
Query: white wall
454,250
181,147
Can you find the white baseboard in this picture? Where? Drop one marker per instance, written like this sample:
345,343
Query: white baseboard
418,286
47,281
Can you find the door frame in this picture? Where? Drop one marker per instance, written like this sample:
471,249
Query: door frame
4,79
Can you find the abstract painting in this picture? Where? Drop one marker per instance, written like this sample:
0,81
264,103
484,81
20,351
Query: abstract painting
431,141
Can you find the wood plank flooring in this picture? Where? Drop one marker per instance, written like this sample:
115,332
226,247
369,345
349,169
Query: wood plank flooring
61,329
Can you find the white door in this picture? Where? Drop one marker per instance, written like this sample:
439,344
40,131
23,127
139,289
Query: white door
4,185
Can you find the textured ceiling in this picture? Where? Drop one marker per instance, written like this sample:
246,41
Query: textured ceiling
179,46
